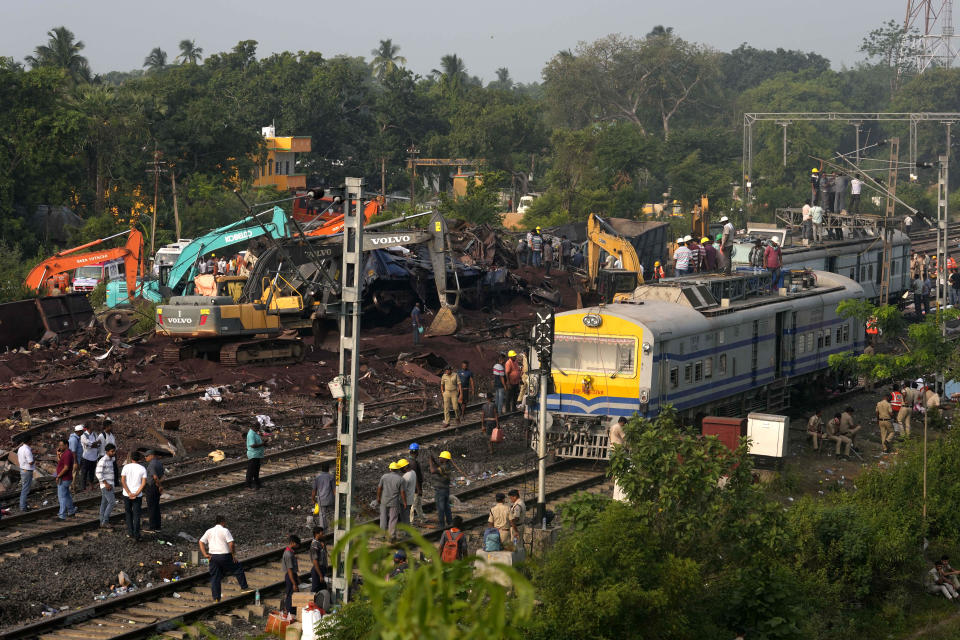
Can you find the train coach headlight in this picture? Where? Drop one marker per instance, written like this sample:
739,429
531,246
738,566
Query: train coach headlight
647,347
644,397
592,320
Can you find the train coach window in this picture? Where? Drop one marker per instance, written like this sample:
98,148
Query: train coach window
809,341
722,364
595,354
852,274
826,338
839,338
708,368
674,377
688,373
846,333
698,371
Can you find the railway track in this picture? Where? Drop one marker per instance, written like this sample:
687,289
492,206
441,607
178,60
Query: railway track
150,611
24,532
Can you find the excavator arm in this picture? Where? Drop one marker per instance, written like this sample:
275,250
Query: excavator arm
70,259
335,224
601,236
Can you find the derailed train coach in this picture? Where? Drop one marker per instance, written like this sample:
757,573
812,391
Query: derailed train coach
708,345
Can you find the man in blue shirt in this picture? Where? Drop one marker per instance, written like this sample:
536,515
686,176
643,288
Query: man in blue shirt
255,451
467,387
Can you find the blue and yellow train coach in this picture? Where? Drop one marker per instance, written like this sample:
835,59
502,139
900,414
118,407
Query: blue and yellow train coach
713,345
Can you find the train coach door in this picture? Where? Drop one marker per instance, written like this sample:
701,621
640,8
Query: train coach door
783,324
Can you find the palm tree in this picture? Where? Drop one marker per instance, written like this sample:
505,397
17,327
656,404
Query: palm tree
190,53
385,58
503,81
452,71
156,61
62,52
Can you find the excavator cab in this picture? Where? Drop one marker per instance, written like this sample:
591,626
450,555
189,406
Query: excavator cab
611,282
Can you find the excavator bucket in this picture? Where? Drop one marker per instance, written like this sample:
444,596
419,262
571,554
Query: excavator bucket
445,323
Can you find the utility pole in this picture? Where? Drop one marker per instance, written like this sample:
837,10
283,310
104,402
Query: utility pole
942,195
154,168
412,152
176,212
347,419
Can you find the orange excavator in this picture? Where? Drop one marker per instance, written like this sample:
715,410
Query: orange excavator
329,221
53,270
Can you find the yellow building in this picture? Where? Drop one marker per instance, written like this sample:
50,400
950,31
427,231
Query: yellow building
280,168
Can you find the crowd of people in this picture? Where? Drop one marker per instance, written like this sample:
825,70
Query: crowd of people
548,252
894,414
926,275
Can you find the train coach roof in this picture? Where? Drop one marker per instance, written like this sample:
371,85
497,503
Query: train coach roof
671,307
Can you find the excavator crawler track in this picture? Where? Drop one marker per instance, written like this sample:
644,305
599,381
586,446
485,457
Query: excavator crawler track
264,351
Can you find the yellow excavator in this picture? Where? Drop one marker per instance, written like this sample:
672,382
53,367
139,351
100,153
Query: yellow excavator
610,285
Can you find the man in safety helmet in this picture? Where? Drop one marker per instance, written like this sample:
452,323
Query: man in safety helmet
416,506
440,468
726,244
658,272
514,372
815,184
709,254
536,247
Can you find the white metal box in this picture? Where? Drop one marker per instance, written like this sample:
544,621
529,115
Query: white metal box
768,434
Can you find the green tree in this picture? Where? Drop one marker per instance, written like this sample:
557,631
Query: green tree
503,82
480,204
891,48
452,72
688,556
190,53
432,600
156,61
62,51
386,58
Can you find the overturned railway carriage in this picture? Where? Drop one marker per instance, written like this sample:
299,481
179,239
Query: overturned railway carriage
720,345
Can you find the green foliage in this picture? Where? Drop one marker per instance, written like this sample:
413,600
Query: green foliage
696,534
145,313
98,296
480,204
13,270
432,599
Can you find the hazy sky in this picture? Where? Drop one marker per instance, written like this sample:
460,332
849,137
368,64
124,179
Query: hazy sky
520,34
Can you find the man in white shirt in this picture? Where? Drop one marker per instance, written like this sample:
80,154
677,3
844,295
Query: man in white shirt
816,215
216,545
25,460
726,244
133,478
681,257
856,186
106,435
105,475
88,458
907,223
806,225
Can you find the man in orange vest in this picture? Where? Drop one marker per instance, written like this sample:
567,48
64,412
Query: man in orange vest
658,272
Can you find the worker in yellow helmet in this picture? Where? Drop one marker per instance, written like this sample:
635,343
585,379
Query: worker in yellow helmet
815,185
658,271
441,470
513,373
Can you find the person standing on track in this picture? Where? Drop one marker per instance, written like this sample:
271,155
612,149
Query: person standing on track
440,468
466,388
499,388
66,463
106,435
499,518
390,498
133,479
106,475
518,510
514,373
27,467
449,394
323,495
409,477
319,561
417,505
90,452
153,491
77,449
291,572
216,545
489,420
884,423
255,451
